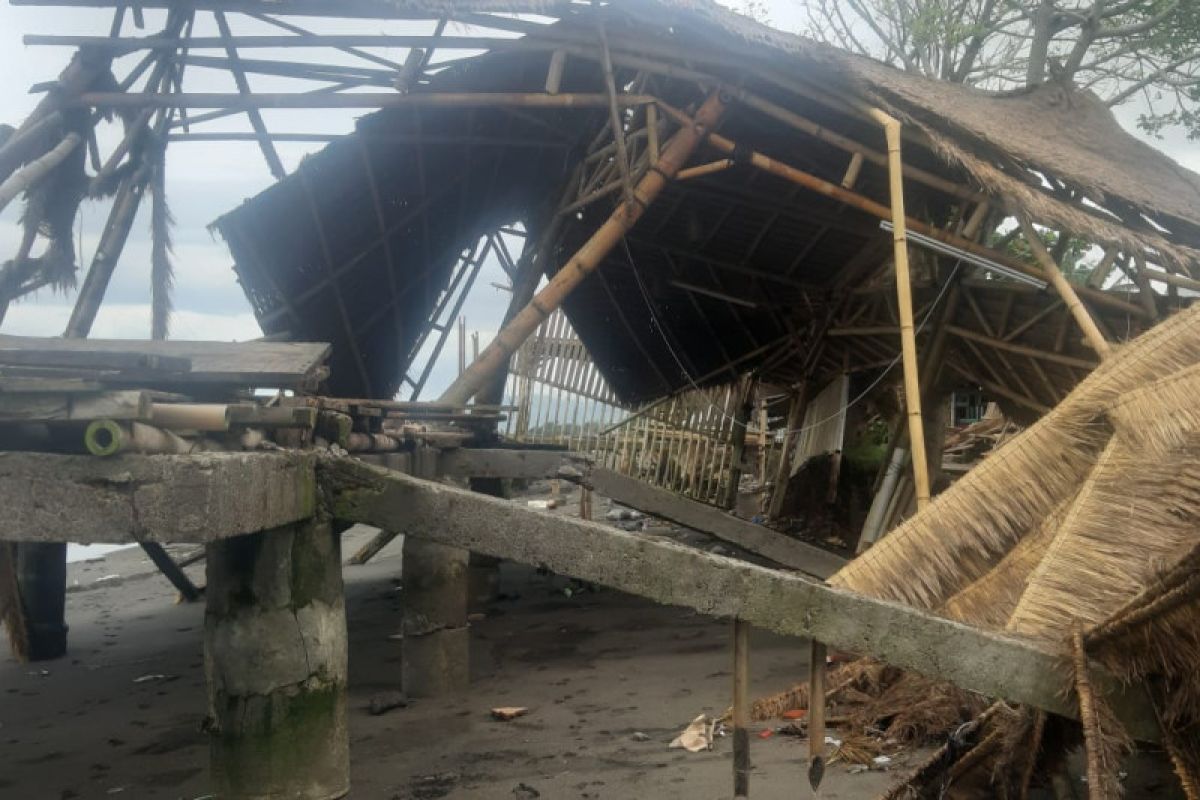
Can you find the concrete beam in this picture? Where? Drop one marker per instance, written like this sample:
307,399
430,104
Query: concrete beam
992,664
759,539
134,498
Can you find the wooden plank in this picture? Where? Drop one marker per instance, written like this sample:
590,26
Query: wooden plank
58,407
993,664
757,539
526,464
267,364
196,498
114,360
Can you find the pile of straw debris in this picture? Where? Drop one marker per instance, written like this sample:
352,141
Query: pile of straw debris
1083,532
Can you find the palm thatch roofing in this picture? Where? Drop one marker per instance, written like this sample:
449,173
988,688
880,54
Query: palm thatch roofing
1088,521
728,271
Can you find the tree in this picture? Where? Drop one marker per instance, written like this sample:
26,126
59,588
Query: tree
1124,50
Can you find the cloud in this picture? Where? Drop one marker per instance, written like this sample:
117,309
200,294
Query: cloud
130,321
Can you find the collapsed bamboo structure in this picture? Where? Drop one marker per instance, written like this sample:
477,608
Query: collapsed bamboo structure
744,237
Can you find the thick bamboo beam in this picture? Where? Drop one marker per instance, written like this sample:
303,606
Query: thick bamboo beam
26,177
1070,297
908,337
587,258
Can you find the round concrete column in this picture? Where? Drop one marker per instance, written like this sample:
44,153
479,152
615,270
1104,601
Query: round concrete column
275,657
434,658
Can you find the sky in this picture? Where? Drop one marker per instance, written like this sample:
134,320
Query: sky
205,180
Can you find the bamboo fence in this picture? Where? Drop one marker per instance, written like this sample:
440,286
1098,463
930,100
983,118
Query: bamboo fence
683,443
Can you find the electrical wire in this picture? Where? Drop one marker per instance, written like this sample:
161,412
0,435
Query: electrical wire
788,432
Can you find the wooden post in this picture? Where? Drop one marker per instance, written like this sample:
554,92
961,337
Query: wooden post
816,714
41,569
737,440
275,657
908,339
587,258
741,709
1091,332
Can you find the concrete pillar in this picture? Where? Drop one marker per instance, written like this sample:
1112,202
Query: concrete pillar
275,658
483,572
42,577
434,655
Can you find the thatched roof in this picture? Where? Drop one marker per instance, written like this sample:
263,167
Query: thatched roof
731,271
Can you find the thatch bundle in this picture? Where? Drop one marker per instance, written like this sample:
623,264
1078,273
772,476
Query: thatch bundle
969,528
1084,532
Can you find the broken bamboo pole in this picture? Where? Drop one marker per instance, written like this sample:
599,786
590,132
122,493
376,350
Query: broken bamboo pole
587,259
25,178
1070,297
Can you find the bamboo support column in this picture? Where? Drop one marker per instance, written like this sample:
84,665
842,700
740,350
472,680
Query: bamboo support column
908,339
741,709
1091,332
816,714
585,261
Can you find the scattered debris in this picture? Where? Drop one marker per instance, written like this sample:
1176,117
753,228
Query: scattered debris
524,791
383,702
507,713
766,733
638,736
154,677
432,787
697,736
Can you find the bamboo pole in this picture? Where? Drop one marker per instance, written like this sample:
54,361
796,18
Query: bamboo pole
1095,339
816,714
241,102
28,176
908,339
587,258
741,709
879,210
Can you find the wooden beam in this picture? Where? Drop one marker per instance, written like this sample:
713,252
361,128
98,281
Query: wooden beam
243,87
757,539
993,664
1019,349
195,498
241,102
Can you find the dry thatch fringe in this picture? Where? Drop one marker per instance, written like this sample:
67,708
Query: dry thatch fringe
1160,416
914,708
866,675
1158,633
1047,210
942,758
990,600
162,272
969,527
12,613
1134,513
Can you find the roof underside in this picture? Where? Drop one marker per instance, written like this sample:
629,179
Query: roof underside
726,272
